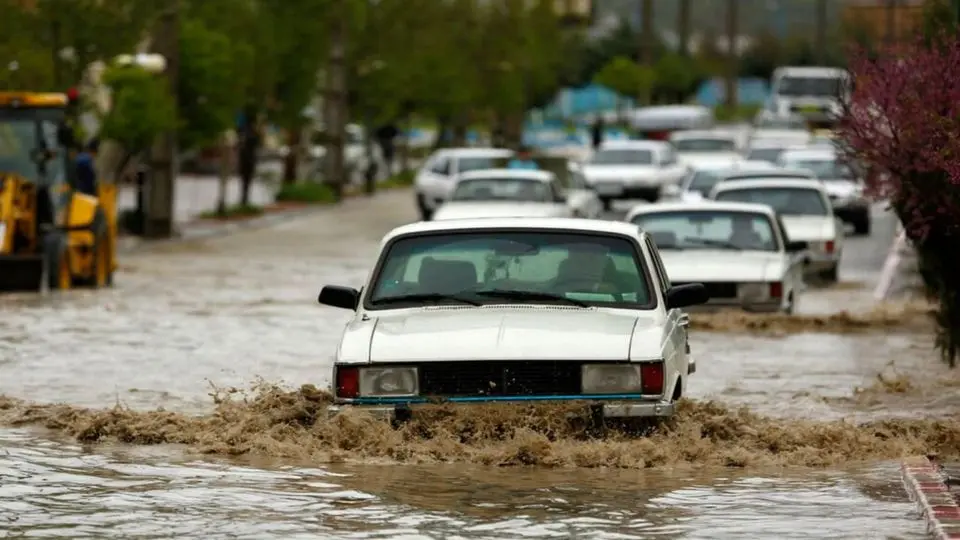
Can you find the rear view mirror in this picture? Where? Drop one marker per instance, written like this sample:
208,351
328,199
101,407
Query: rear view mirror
690,294
340,297
794,247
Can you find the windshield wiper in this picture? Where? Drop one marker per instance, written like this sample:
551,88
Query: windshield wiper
425,297
713,243
530,295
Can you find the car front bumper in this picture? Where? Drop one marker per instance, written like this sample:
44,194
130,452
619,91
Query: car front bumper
613,409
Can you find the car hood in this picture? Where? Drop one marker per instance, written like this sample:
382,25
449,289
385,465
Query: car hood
807,228
618,172
504,333
703,265
707,159
467,210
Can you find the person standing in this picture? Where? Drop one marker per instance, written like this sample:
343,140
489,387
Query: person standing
86,181
386,138
247,148
597,132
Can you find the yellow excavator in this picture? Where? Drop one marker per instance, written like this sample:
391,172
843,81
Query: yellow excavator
51,235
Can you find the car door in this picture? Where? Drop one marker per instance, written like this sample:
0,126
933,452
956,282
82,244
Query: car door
796,260
436,175
677,347
580,197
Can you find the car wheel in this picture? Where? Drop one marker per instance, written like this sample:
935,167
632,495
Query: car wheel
861,227
426,213
791,306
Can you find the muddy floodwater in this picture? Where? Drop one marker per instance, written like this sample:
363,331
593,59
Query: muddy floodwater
831,402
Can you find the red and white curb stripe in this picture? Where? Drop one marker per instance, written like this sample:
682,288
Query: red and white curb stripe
926,486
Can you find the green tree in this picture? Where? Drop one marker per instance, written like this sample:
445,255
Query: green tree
676,77
142,109
627,78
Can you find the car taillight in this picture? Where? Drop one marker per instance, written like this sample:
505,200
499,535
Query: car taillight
348,382
828,247
776,290
651,378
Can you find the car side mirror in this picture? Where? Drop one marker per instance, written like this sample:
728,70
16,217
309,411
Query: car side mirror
794,247
689,294
340,297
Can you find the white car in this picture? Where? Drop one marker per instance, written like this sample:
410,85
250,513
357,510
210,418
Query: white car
696,148
580,196
840,180
515,309
505,193
776,130
697,186
633,170
434,181
813,92
737,250
658,121
805,210
768,150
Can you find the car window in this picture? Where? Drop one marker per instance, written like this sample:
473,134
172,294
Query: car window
770,155
502,189
467,164
703,181
824,169
662,275
441,166
705,145
621,156
790,201
709,229
596,269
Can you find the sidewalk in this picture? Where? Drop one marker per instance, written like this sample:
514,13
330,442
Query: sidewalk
195,195
928,483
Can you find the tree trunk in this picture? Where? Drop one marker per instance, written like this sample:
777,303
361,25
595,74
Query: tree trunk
405,145
226,160
291,161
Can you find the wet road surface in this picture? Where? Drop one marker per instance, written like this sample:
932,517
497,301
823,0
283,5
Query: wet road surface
223,312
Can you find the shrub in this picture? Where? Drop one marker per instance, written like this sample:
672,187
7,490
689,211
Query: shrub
903,124
306,192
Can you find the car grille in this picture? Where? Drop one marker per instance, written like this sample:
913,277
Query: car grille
719,289
500,378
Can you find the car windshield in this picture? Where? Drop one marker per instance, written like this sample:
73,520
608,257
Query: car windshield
824,169
791,201
809,86
781,122
709,229
510,266
622,157
477,163
705,145
770,155
501,189
703,181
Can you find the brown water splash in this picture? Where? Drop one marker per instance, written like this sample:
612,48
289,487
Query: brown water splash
296,424
906,317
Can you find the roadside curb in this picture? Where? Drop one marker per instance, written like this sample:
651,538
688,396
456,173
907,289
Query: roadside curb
198,230
926,486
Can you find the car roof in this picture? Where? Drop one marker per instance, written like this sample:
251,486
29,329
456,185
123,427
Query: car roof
702,134
810,153
474,152
770,183
520,174
699,206
531,223
633,145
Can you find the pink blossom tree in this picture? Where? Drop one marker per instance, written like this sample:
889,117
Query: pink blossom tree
903,123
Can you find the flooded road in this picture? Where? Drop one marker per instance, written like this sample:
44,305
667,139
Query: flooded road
186,318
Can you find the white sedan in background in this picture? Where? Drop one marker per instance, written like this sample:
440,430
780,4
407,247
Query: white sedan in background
737,250
434,181
841,181
805,210
697,185
698,148
633,170
505,193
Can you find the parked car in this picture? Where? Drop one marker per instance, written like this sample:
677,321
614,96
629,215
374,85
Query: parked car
814,92
632,170
515,309
697,147
505,193
739,251
805,210
841,180
434,181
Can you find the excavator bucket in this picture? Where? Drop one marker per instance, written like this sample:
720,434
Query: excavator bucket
21,273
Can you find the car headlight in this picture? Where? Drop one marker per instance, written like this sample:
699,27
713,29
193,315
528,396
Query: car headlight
610,379
389,382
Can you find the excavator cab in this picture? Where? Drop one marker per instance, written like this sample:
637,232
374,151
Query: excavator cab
50,234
